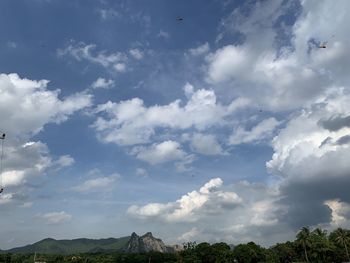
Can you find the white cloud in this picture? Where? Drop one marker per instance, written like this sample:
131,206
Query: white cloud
26,106
163,34
115,61
261,131
340,213
200,50
299,142
130,122
6,198
206,144
109,13
254,68
239,103
189,235
22,162
55,217
141,172
136,53
13,178
190,207
228,62
163,152
120,67
97,184
102,83
65,161
242,212
311,162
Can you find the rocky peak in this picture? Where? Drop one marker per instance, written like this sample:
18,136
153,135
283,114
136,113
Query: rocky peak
133,245
145,243
148,234
133,235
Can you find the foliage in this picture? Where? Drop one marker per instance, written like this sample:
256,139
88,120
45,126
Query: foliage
315,246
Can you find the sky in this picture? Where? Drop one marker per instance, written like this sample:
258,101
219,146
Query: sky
231,124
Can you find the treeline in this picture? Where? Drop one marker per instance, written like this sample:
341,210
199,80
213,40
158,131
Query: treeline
309,246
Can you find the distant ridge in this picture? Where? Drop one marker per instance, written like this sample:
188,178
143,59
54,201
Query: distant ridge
66,247
128,244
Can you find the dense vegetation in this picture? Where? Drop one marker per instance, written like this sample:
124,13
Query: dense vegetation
309,246
68,247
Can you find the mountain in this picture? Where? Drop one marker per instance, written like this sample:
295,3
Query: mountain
147,243
80,245
128,244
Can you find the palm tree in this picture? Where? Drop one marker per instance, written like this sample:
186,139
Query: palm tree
303,237
343,237
322,234
320,244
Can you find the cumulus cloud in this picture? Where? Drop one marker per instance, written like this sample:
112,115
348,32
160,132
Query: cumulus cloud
80,51
200,50
206,144
340,213
102,83
130,122
136,53
313,171
261,131
167,151
104,183
242,212
55,217
190,207
26,106
254,67
65,161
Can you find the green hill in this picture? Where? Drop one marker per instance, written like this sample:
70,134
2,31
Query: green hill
80,245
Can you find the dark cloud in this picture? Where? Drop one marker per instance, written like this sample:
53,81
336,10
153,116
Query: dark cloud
305,196
343,140
335,123
325,142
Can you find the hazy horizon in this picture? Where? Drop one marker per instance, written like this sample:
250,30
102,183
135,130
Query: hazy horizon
194,120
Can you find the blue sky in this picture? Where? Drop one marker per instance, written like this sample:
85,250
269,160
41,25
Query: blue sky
230,125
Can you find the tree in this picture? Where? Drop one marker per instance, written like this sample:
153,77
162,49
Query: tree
285,252
249,253
303,238
222,252
321,247
342,236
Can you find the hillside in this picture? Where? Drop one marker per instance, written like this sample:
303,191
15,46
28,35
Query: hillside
80,245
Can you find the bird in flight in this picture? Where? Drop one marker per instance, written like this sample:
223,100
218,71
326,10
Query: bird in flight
179,19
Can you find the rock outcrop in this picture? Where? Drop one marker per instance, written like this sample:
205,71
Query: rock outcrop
146,243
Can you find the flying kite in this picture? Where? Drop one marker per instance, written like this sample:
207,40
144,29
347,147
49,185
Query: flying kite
323,45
